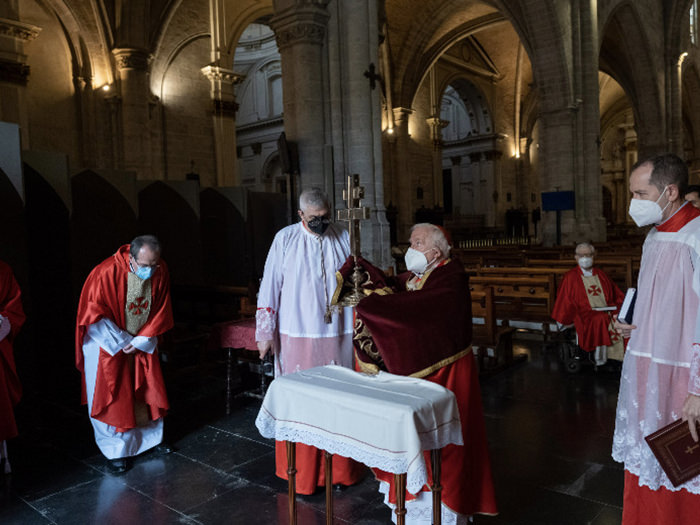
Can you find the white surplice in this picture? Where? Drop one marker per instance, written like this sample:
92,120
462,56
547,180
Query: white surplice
108,336
292,300
662,363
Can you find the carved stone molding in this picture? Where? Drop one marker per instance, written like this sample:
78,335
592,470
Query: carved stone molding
132,58
303,23
18,30
305,32
14,72
220,74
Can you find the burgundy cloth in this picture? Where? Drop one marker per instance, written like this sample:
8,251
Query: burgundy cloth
572,306
643,506
10,387
415,330
235,334
117,387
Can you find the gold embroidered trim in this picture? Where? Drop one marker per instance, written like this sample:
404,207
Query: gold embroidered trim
339,288
138,303
367,368
440,364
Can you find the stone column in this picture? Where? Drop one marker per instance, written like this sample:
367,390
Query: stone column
457,185
224,109
135,154
300,29
403,185
436,125
14,73
355,113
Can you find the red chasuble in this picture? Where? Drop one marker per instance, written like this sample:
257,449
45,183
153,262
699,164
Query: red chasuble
427,333
10,387
573,306
118,385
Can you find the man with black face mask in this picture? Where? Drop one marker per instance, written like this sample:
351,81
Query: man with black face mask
296,323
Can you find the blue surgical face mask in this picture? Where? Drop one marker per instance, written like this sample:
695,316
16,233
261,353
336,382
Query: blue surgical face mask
144,272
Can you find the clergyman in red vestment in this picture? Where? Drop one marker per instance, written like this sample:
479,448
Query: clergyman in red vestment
583,293
11,320
124,307
420,325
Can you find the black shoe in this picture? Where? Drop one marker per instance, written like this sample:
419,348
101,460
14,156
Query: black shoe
117,466
164,448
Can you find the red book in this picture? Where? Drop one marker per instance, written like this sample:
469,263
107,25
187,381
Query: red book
676,451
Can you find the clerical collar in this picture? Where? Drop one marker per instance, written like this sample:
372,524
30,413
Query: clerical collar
417,281
683,215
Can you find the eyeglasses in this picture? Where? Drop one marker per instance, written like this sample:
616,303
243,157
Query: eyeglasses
139,265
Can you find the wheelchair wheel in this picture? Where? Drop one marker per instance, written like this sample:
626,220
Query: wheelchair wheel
573,365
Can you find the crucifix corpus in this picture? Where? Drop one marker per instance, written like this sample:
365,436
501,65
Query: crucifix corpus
353,214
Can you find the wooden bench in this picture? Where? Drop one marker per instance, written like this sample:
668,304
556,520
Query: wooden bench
527,300
493,346
618,269
503,271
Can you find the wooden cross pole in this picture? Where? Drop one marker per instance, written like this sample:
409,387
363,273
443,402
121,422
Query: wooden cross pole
353,214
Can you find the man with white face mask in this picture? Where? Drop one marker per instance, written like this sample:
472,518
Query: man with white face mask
583,292
420,325
661,371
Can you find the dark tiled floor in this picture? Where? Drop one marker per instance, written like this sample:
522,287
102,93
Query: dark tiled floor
549,433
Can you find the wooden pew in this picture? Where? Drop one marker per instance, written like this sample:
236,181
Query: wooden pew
619,269
557,273
492,345
528,300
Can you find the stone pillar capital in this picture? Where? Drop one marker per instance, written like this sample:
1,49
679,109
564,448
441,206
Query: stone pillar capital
219,74
303,23
132,58
18,30
401,113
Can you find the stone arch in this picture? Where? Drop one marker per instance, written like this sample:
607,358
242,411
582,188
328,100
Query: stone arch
630,62
476,104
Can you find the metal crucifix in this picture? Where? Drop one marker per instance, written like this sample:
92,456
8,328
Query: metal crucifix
353,214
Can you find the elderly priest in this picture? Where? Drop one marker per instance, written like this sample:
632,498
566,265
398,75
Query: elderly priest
421,326
587,298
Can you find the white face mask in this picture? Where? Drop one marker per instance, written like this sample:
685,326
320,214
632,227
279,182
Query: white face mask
585,262
644,212
416,261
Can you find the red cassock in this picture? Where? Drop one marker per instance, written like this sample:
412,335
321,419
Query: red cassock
118,384
10,387
572,306
427,333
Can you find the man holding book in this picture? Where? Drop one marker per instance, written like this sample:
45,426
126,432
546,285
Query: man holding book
660,379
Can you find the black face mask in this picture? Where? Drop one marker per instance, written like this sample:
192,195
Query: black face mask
319,225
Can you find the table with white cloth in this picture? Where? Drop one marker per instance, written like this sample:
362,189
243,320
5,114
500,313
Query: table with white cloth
384,421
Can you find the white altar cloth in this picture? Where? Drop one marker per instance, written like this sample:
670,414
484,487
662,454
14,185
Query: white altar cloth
384,421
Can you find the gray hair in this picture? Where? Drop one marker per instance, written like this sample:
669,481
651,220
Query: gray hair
144,240
313,198
584,245
436,235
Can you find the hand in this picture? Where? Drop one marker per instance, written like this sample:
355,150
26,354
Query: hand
129,349
264,348
691,414
622,328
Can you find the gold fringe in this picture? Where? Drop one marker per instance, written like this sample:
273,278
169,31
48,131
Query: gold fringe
338,288
440,364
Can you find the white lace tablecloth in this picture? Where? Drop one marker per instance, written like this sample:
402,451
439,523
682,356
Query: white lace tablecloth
383,421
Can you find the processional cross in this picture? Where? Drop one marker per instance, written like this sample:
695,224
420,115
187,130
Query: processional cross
353,214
